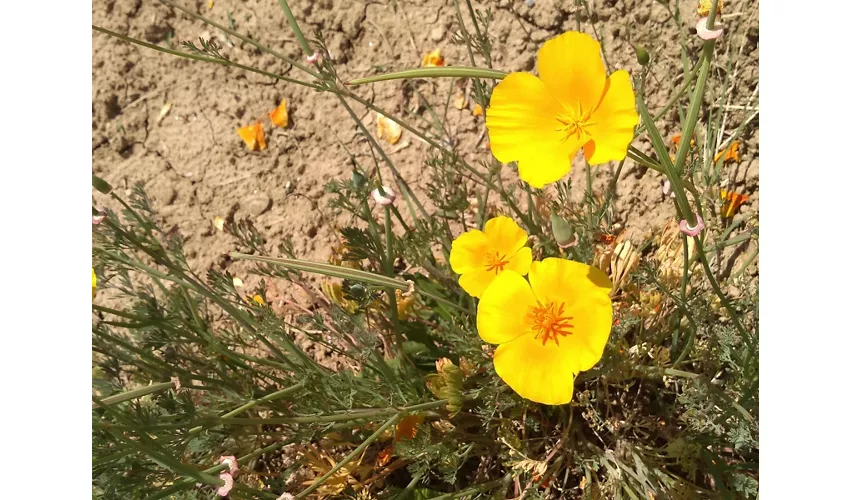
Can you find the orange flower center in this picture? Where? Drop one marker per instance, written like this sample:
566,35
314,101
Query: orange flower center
496,262
575,124
548,322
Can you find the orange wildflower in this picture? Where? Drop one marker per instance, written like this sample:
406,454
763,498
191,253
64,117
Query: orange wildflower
477,111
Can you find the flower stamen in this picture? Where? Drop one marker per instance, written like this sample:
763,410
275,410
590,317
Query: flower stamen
549,321
496,262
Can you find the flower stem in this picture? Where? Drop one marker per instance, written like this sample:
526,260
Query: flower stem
244,38
135,393
305,45
214,60
250,404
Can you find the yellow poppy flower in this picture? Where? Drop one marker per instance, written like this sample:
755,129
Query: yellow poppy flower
549,328
479,256
541,123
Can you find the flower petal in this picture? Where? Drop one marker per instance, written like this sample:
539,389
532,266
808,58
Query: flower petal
571,68
476,281
504,235
584,290
502,312
536,372
523,125
468,251
520,262
613,122
562,280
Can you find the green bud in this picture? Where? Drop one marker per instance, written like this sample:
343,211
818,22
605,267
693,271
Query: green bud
563,230
357,291
642,55
358,179
100,184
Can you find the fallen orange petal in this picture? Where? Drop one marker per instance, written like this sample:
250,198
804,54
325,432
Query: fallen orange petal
732,152
384,456
433,59
407,427
280,118
460,100
732,201
477,110
254,136
388,129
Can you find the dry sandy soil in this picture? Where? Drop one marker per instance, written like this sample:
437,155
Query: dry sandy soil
195,167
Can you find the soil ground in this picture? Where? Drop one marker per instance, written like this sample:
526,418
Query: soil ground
195,167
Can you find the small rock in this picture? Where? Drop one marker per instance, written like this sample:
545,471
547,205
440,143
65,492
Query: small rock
258,204
438,33
311,233
162,193
526,63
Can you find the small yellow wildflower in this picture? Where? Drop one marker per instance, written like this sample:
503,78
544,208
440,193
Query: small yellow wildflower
549,328
541,123
479,256
433,59
477,110
93,284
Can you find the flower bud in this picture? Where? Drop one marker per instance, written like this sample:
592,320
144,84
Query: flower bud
358,179
100,184
564,233
642,55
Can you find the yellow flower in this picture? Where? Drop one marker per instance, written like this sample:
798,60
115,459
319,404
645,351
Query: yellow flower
541,123
480,256
93,284
548,330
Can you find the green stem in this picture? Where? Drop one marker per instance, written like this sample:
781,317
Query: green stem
478,488
685,84
440,72
245,39
250,404
722,296
388,270
135,393
357,451
214,60
305,45
669,169
345,273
